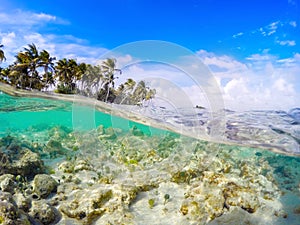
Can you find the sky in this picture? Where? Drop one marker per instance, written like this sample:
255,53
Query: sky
250,47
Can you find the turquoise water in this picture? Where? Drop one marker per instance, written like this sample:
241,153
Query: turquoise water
17,114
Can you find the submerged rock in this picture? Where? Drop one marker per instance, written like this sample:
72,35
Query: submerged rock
236,216
54,148
242,197
109,133
43,185
8,208
7,183
5,164
82,165
203,203
59,132
28,165
66,167
86,205
136,132
9,212
100,129
24,162
22,202
43,213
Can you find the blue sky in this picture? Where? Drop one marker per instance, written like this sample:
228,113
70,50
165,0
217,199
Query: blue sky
251,46
195,24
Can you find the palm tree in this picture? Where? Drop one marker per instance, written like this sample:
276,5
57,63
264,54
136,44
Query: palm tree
47,63
97,77
150,94
109,69
20,70
126,93
33,63
140,92
129,84
68,72
80,70
2,56
91,80
26,67
32,51
4,75
63,71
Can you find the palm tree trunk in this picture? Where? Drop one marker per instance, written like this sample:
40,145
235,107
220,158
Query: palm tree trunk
107,93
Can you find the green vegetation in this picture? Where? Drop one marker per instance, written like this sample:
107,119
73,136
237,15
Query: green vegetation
68,72
37,70
2,57
151,203
166,197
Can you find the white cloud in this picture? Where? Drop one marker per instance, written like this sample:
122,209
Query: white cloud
260,93
271,32
262,82
283,86
266,51
152,71
259,57
287,43
289,62
293,23
21,19
12,43
270,28
15,42
44,17
262,31
82,53
7,39
237,35
235,87
297,57
20,28
273,26
223,65
261,62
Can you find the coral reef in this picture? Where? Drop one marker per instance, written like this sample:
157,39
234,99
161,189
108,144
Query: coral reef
9,212
43,213
86,205
43,185
17,159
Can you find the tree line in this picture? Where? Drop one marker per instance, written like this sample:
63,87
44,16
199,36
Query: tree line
38,70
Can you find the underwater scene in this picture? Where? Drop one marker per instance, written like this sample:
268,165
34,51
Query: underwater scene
68,163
